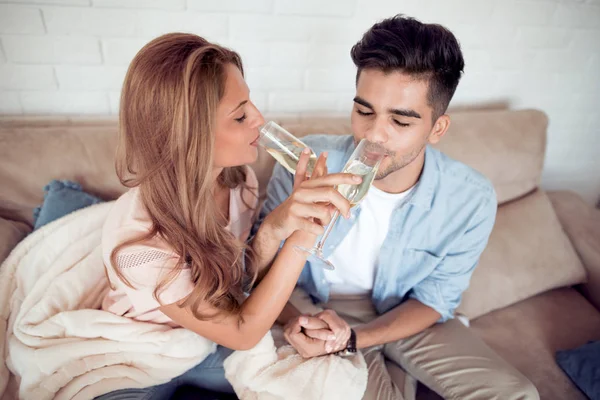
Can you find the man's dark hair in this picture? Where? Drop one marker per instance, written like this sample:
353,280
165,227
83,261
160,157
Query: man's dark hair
426,51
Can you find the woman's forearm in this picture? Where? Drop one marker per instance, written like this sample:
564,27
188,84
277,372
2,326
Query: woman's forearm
264,246
266,302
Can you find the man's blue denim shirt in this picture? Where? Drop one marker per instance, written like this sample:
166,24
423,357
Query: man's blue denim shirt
434,240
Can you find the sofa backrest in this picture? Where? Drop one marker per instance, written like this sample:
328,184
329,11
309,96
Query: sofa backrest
506,146
35,151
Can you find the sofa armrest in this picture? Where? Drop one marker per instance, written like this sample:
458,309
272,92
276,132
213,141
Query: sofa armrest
581,223
11,233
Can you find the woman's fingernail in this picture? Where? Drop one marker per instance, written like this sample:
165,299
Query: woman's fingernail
306,150
328,348
303,320
331,337
357,178
325,154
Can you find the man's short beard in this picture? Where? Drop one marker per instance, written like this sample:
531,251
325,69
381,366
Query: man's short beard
398,164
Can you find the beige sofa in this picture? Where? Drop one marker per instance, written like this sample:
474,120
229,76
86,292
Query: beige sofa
535,291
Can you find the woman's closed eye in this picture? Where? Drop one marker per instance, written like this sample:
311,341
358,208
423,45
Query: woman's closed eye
241,119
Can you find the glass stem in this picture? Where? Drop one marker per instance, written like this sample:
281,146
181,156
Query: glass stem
334,219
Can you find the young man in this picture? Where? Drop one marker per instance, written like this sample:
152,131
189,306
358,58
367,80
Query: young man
405,255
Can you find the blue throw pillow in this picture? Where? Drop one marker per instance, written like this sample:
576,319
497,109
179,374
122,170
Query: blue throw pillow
61,198
582,365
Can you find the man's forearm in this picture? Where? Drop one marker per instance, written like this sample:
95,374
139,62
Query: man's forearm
407,319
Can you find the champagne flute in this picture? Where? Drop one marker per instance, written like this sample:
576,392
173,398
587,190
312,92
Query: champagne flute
285,147
364,162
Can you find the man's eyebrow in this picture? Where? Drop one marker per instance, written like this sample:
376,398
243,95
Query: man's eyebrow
405,113
363,102
398,111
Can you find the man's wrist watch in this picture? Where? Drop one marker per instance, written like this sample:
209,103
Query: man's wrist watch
350,349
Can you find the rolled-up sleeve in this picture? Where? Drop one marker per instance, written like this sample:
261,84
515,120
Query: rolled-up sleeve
442,290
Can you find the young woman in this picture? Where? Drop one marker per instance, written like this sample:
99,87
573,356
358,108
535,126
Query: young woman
174,244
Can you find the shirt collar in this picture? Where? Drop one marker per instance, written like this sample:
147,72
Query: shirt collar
423,193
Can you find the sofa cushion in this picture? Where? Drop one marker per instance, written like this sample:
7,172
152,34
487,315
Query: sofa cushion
582,365
528,335
11,233
61,198
506,146
582,224
528,253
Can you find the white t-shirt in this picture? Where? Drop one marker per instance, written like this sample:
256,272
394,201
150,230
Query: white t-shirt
355,259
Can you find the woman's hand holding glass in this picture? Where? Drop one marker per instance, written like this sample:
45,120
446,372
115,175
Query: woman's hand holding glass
312,203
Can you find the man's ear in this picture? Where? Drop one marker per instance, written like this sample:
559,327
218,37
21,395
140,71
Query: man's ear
439,129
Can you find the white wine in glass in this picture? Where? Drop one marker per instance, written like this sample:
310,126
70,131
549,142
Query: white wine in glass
285,147
355,193
363,162
288,156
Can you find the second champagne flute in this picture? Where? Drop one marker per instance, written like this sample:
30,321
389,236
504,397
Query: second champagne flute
363,162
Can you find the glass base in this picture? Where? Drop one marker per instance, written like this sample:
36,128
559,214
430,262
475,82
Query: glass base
315,255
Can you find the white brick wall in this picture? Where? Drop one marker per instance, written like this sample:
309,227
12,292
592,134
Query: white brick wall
10,103
70,57
84,21
26,77
266,28
151,23
53,2
333,8
287,79
295,102
90,78
2,55
17,19
329,80
233,6
52,50
159,4
121,51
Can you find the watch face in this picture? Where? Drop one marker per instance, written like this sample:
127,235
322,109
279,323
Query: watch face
352,341
348,351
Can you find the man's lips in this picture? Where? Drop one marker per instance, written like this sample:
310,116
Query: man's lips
373,155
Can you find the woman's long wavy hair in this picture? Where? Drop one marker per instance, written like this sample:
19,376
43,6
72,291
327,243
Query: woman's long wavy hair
166,139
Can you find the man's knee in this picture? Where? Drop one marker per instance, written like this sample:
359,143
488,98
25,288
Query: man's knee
511,384
525,390
501,384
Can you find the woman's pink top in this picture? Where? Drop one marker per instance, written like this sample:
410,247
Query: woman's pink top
146,264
